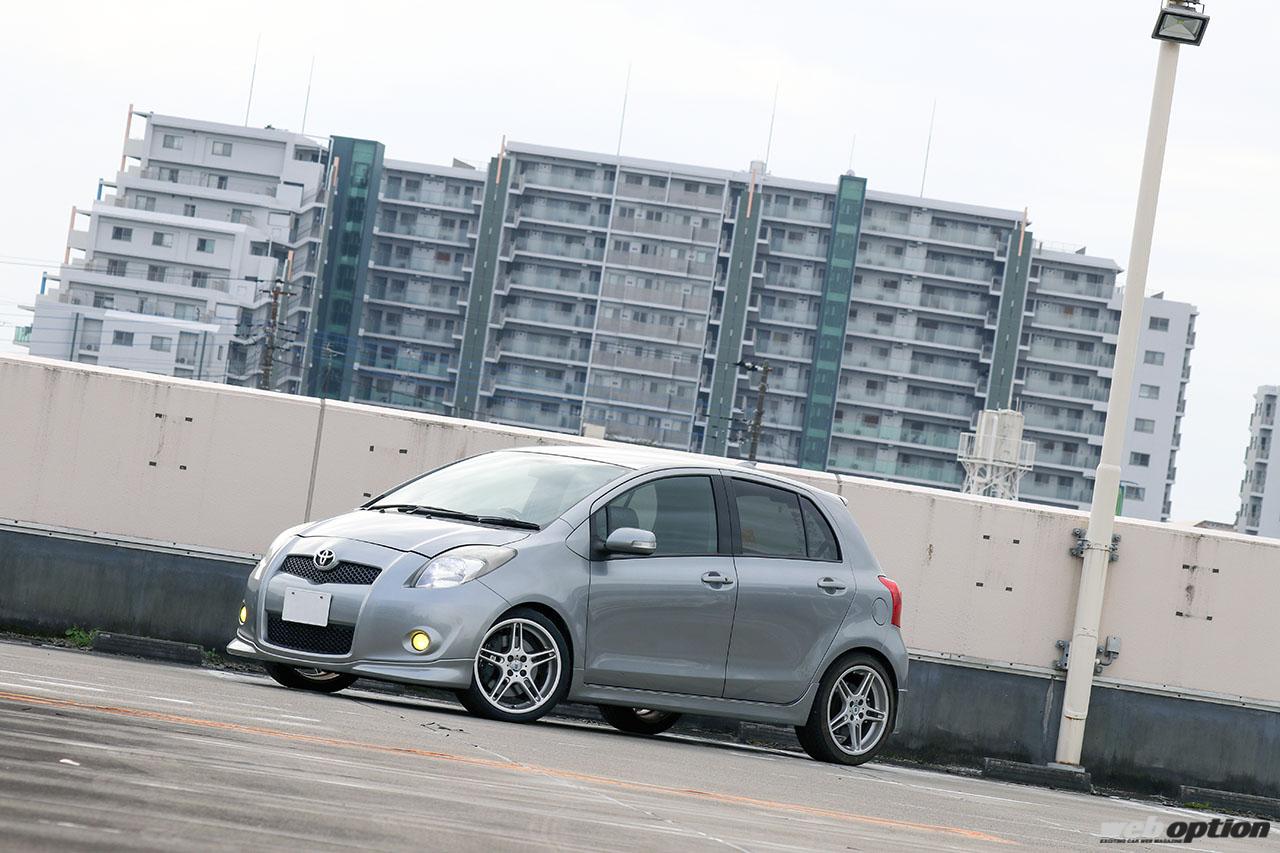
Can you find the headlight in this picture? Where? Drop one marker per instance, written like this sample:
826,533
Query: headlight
459,565
280,541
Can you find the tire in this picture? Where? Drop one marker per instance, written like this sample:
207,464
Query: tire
524,661
316,680
856,686
638,721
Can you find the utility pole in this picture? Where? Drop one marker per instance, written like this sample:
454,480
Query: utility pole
269,342
761,390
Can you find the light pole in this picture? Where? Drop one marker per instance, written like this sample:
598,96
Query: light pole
1179,23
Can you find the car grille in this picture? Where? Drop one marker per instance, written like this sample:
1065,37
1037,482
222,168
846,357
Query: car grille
327,640
353,573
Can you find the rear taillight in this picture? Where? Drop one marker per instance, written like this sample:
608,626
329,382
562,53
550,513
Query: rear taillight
895,595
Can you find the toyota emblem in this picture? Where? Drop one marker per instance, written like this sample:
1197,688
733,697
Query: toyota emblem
323,560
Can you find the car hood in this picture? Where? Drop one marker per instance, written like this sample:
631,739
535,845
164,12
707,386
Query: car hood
407,532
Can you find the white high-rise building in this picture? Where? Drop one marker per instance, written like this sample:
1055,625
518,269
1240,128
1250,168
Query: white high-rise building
169,270
1259,494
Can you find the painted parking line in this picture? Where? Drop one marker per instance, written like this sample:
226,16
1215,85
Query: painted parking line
495,764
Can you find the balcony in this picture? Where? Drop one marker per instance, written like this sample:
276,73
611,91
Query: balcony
688,335
1037,384
561,180
413,296
526,313
809,248
949,474
559,214
1070,355
1053,281
672,365
525,280
424,232
690,233
1037,420
531,381
943,439
1078,321
809,283
556,248
810,213
452,269
414,364
435,198
533,416
666,399
533,347
768,349
959,269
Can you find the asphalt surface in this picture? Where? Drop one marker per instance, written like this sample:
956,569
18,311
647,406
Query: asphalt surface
99,752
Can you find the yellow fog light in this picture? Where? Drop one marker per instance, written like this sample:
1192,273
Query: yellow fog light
419,640
244,614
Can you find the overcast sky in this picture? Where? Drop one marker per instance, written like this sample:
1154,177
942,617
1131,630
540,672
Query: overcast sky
1039,104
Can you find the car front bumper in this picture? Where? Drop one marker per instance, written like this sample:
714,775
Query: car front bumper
369,624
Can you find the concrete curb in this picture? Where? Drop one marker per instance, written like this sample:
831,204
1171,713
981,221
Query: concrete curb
1230,801
1044,775
145,647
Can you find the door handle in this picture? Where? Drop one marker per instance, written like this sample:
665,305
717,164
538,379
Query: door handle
832,585
716,579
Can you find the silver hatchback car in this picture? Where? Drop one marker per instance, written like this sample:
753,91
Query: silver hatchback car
649,583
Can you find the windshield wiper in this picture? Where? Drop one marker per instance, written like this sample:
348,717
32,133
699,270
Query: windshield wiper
441,512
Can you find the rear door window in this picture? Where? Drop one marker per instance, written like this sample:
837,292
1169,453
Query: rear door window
769,521
820,539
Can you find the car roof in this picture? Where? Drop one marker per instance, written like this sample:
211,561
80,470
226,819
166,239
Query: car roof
639,457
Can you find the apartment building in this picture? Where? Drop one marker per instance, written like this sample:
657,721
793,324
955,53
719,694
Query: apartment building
1260,495
561,290
169,270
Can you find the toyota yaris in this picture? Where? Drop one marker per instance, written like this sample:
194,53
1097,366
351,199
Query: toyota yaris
651,584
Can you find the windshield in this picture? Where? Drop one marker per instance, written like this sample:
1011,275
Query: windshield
530,487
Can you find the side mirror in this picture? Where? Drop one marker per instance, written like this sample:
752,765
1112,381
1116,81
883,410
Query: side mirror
631,540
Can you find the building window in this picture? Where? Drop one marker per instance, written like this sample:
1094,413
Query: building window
1149,392
103,300
121,233
172,141
204,244
122,339
1142,460
222,149
160,344
1153,357
1144,425
199,279
1135,493
238,215
155,272
162,239
1158,324
188,210
144,202
221,181
115,266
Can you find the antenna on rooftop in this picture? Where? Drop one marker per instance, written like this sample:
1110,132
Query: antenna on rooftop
252,75
622,121
768,148
306,103
928,144
852,145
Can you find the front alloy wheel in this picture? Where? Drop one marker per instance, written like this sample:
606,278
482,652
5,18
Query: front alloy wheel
853,713
520,670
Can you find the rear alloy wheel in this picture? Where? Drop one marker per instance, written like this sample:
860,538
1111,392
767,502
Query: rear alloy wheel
853,713
638,721
521,670
308,678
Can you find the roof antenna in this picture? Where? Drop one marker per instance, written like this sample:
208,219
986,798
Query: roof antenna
252,76
622,121
306,104
768,149
852,145
927,146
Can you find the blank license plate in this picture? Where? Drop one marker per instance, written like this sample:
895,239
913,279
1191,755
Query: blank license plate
307,607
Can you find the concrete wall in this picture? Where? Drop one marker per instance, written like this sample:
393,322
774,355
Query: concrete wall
986,582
